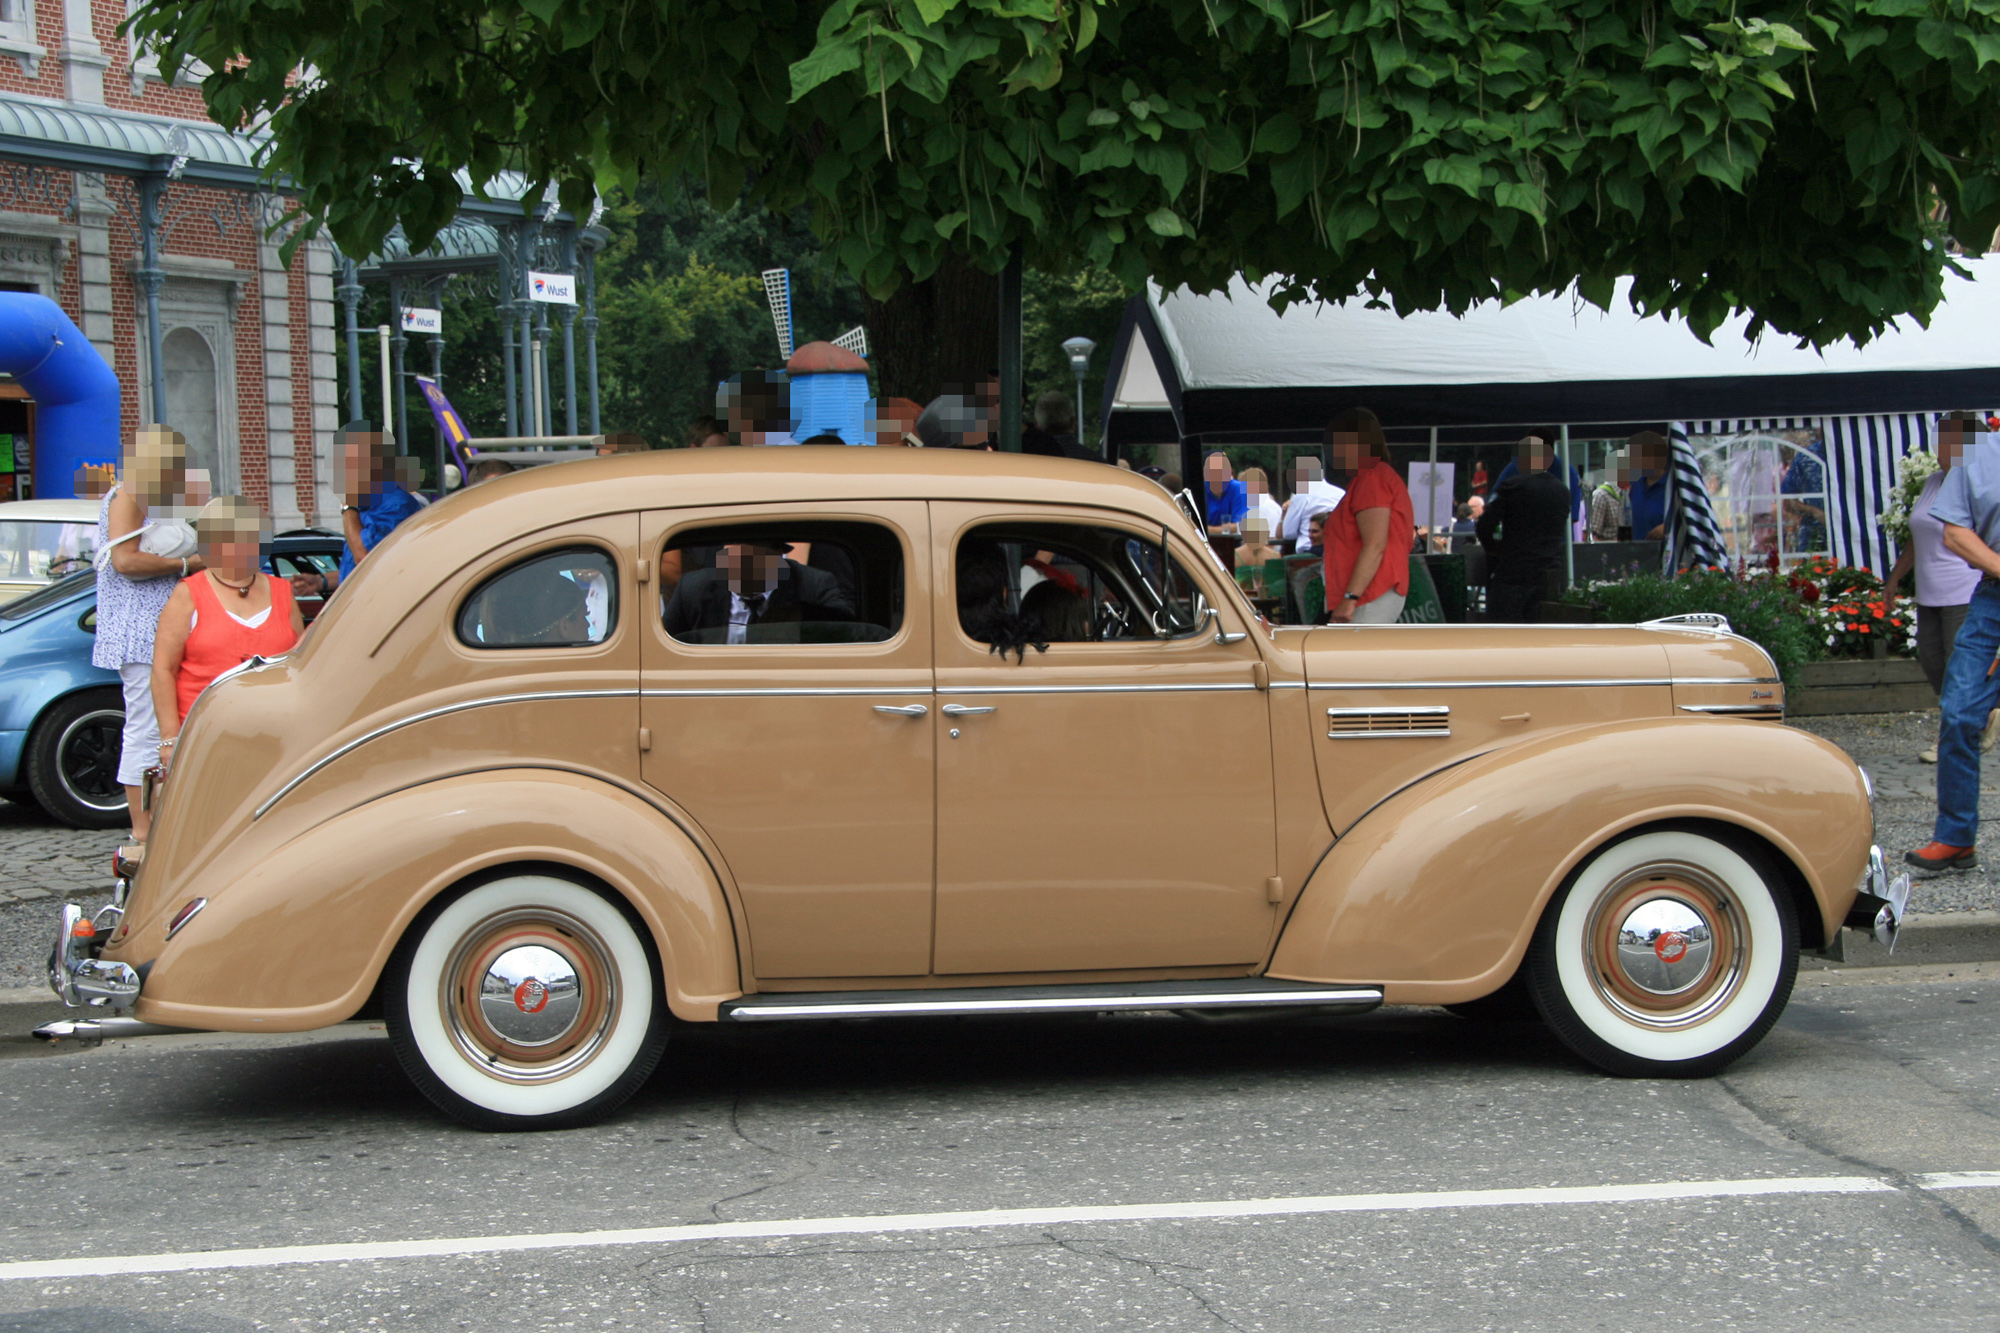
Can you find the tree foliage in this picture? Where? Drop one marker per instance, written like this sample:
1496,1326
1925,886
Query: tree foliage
1795,162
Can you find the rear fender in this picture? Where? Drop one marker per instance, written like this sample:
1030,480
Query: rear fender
297,939
1436,893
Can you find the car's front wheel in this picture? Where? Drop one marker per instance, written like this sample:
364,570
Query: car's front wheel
1670,953
526,1002
71,761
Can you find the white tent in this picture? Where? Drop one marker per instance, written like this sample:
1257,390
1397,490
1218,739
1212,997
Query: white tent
1228,363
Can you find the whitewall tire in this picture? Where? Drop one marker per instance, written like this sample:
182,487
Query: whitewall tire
526,1002
1669,953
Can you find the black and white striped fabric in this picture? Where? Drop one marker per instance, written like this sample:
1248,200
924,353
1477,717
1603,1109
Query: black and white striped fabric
1861,456
1693,535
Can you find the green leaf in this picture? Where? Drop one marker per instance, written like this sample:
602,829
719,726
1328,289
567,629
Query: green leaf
1278,135
950,223
1165,222
1102,116
1459,172
822,63
1525,198
935,10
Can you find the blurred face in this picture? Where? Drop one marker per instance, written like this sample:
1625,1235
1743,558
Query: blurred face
234,554
1217,471
1317,526
1951,444
1344,451
1305,471
715,441
362,465
156,468
1535,454
1478,503
751,570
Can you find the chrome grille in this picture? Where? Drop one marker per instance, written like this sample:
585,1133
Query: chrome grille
1413,720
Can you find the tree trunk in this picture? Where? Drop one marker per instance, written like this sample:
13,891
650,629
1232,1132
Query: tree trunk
941,335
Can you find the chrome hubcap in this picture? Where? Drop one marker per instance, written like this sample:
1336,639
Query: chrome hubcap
530,995
1664,946
1667,945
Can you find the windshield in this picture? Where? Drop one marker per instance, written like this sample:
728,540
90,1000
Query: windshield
23,607
41,550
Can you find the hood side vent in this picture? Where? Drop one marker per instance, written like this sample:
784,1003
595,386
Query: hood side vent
1415,720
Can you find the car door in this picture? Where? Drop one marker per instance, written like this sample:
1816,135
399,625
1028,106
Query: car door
806,750
1103,804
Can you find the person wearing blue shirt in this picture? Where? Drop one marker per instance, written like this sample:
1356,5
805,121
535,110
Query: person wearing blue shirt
1228,500
1553,438
377,503
1650,452
1968,504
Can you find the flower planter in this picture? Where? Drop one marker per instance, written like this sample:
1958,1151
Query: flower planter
1860,685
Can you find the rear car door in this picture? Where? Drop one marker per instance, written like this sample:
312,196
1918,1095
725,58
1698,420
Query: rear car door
804,748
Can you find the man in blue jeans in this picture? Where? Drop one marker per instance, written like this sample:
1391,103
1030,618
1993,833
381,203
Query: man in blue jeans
1968,504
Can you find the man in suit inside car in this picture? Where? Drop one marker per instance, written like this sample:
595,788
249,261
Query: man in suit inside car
753,584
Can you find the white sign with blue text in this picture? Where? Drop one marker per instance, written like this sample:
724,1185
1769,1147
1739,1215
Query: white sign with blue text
559,288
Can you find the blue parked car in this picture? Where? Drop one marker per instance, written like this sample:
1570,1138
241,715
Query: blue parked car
62,720
60,717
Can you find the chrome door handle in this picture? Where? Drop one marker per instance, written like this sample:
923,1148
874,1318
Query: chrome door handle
905,710
963,710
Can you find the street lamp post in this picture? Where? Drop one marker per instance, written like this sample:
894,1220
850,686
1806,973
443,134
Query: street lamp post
1079,350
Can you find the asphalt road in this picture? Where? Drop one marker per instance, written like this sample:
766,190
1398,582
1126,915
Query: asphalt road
1878,1079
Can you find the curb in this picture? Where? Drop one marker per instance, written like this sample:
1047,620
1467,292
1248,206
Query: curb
1930,937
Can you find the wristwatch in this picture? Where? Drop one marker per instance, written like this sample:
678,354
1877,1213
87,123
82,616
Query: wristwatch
1350,597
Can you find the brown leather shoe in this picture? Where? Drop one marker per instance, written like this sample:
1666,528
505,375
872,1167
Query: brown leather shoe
1942,856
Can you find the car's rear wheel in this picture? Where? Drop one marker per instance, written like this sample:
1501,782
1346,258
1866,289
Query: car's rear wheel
526,1002
72,760
1670,953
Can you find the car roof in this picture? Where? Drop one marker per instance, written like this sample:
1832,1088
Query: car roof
51,511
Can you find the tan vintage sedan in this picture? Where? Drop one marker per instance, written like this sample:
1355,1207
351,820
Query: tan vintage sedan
774,735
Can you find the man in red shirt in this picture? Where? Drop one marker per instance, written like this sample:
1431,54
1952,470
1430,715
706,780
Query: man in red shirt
1368,537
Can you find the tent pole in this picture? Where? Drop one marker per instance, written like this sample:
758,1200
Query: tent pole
1432,511
1569,528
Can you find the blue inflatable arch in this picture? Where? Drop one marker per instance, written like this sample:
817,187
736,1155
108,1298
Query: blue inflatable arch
75,393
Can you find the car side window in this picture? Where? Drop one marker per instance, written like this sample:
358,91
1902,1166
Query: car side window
1033,583
778,582
555,599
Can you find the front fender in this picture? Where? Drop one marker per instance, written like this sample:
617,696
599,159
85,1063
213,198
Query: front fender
1435,894
296,938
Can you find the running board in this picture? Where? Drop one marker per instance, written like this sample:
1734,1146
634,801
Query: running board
1230,993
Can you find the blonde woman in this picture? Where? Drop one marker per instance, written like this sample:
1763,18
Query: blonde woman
133,586
221,617
1258,483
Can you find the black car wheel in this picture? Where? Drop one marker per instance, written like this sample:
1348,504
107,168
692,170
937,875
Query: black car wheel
72,760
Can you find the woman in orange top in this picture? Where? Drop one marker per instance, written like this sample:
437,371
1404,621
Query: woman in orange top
1368,536
221,617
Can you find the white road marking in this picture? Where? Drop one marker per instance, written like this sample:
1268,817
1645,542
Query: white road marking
280,1255
1959,1180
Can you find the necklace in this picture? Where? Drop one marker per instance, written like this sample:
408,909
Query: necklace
243,592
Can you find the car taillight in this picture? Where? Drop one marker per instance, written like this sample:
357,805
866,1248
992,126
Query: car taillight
185,915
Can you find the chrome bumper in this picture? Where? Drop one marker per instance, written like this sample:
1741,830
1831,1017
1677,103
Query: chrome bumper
1882,903
81,979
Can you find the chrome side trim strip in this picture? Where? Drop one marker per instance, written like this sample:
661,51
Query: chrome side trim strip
425,716
1743,710
1344,724
1418,710
782,692
1536,684
1094,689
1318,996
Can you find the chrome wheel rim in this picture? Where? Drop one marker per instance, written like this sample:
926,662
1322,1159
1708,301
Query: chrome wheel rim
87,759
530,995
1667,945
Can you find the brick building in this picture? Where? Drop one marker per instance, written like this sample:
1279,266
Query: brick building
206,328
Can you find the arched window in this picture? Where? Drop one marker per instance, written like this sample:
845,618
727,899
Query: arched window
191,399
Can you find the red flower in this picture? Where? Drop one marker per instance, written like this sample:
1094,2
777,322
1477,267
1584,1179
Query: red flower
1809,592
